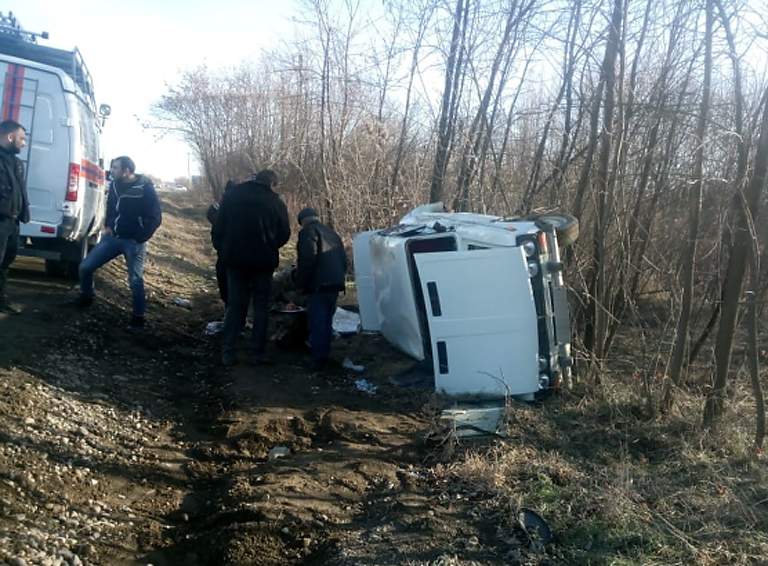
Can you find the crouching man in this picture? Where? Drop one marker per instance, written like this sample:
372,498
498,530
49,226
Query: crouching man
320,272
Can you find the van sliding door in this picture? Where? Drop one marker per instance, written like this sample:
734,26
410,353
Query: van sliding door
482,321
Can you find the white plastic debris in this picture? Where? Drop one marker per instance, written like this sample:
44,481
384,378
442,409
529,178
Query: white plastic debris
366,386
346,322
475,421
352,366
214,327
181,302
278,452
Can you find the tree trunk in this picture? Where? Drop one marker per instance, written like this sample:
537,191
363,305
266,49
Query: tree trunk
737,264
445,126
596,314
694,208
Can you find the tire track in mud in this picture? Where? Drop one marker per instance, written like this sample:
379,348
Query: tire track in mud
353,487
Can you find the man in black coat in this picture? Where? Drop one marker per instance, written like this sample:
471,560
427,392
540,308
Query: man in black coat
14,205
321,269
221,271
252,225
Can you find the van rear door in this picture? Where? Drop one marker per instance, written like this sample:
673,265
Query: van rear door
35,98
482,321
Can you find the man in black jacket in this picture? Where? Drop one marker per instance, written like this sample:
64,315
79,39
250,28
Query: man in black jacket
133,216
221,271
252,225
321,268
14,205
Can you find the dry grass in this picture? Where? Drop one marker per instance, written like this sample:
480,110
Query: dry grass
618,487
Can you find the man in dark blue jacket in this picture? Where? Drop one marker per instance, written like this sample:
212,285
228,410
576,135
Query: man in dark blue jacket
321,268
133,215
251,227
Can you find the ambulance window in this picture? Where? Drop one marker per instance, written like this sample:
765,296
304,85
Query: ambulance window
42,128
86,133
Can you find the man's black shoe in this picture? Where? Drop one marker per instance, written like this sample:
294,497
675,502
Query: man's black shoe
228,359
83,301
327,365
261,360
136,324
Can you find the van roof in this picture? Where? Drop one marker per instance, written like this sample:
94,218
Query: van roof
71,62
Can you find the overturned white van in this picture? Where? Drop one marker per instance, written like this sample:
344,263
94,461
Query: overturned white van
50,92
480,297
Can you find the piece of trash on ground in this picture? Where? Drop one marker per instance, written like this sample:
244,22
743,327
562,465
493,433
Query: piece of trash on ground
278,452
475,421
346,322
535,527
181,302
366,386
352,366
214,327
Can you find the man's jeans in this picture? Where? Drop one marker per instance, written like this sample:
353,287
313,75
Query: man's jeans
321,308
9,241
243,287
108,249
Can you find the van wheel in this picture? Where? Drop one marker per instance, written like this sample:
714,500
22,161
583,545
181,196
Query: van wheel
565,225
68,268
55,268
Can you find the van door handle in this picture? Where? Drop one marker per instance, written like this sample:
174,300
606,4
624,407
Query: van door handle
434,299
442,357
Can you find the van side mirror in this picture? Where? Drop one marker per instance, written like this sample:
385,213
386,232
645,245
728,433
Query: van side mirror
105,110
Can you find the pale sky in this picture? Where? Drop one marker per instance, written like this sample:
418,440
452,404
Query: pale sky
134,48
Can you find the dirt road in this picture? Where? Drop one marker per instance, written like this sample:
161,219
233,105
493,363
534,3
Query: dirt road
139,449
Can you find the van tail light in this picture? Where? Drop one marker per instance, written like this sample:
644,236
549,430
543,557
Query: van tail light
543,248
74,182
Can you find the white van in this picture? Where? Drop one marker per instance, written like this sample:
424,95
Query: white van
481,298
49,91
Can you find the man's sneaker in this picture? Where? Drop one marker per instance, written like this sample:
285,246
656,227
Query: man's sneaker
326,365
83,301
228,358
261,360
9,308
136,324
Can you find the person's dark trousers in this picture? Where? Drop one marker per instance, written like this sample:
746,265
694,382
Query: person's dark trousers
9,245
321,307
243,287
221,279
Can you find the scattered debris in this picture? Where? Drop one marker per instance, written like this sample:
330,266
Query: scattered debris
181,302
346,322
535,527
350,365
278,452
366,386
214,327
475,421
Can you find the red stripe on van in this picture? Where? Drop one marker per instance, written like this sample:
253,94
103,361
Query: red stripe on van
7,91
92,172
12,92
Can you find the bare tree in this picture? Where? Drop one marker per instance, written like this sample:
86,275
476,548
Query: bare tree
742,249
453,76
694,209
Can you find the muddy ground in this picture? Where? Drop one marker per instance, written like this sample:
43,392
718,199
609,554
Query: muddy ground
120,448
